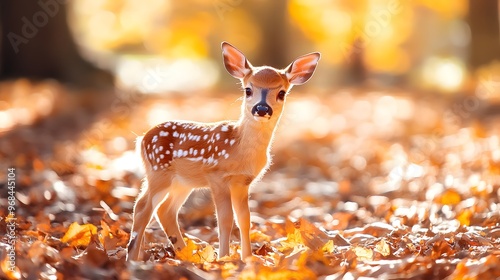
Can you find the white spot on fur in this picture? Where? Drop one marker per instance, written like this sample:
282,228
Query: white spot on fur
162,156
155,167
160,148
195,152
175,134
217,136
225,141
185,153
232,142
163,133
196,159
202,151
205,137
155,138
226,156
224,128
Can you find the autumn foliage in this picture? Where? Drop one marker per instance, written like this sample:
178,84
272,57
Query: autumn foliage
383,185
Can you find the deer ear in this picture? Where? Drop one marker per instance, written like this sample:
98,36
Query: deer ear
235,62
302,69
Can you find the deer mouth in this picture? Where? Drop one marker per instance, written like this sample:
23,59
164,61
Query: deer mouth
265,118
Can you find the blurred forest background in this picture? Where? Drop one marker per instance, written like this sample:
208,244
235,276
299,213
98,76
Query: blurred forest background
391,152
436,45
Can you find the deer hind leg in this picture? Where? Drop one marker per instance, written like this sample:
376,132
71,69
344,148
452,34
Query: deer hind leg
148,200
167,214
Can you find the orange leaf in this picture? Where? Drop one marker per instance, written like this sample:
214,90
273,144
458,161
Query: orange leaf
79,235
259,236
464,217
195,253
449,197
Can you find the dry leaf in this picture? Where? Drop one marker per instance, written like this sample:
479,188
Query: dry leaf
79,235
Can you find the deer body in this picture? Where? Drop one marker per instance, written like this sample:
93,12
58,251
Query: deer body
226,157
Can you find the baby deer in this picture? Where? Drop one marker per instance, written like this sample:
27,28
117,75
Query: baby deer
226,156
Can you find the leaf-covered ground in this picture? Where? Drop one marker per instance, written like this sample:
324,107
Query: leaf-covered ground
375,184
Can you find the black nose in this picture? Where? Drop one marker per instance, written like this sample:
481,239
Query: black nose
262,110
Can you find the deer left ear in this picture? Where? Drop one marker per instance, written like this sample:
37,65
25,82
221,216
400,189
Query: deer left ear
235,61
302,69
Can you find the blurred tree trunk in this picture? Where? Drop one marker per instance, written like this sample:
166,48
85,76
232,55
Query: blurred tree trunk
271,18
484,23
36,43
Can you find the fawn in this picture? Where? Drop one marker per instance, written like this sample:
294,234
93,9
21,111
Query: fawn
226,157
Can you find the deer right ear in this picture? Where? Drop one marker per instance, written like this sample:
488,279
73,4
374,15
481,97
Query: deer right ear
301,70
235,62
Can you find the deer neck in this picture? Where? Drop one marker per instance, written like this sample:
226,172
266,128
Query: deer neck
257,135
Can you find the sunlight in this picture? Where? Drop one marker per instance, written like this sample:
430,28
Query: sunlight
446,74
156,75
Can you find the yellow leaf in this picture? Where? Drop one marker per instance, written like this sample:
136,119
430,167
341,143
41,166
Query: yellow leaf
363,254
196,254
383,248
260,271
293,240
79,235
328,247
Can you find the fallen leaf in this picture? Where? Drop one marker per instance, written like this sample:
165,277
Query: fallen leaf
79,235
195,253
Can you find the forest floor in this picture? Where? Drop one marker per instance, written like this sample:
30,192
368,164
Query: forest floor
364,183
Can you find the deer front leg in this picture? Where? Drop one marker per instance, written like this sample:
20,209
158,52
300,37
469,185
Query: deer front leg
239,198
222,200
167,214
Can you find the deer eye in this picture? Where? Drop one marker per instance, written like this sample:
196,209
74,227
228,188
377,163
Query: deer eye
281,95
248,92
